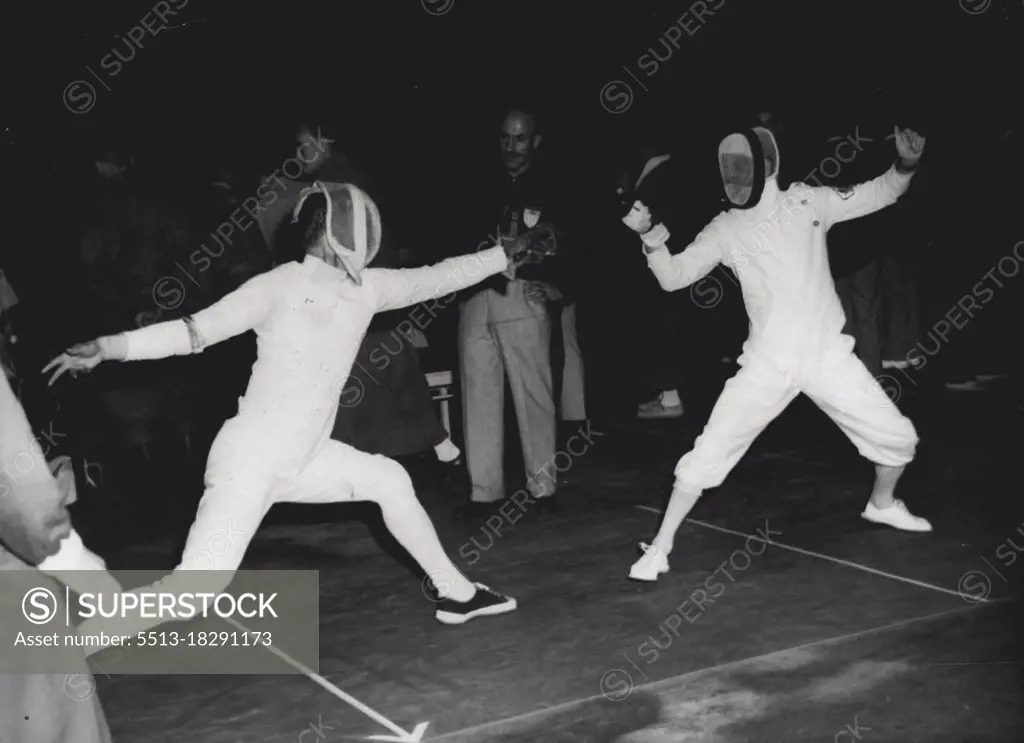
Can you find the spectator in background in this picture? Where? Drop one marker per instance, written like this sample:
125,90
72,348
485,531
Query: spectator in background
139,265
73,554
859,291
873,257
855,247
668,349
34,524
571,382
898,271
977,347
8,299
505,327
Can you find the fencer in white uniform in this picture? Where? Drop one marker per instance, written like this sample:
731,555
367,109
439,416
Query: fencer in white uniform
309,319
774,242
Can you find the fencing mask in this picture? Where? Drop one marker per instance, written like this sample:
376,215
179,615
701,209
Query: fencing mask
747,160
353,228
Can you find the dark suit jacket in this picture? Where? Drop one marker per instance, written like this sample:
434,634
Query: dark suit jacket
500,210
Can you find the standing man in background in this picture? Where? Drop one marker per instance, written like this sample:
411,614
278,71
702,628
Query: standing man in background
660,357
505,331
898,270
869,259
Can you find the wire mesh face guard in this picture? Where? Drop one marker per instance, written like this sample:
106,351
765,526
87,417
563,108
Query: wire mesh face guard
352,229
746,160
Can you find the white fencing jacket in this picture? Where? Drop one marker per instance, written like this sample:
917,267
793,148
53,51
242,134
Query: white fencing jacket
310,320
778,252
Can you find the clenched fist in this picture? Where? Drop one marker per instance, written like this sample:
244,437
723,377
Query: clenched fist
909,145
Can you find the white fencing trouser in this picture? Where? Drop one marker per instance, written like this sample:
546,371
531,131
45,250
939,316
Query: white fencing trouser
241,487
242,483
573,399
840,385
501,335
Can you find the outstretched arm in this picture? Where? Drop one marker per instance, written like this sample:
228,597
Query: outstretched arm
239,311
844,204
404,287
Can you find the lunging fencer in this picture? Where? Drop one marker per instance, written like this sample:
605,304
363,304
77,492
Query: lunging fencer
309,318
774,241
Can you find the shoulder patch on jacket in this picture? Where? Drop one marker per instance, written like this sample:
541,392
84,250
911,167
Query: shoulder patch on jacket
844,193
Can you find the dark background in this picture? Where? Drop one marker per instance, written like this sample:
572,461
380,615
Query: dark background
417,99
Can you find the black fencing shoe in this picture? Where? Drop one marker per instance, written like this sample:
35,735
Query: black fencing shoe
485,603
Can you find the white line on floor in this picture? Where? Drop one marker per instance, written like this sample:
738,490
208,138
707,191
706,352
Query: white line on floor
847,563
316,678
730,666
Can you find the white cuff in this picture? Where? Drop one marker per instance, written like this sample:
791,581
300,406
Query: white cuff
655,238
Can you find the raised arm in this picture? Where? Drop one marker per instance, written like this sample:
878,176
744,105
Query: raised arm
675,272
239,311
404,287
840,205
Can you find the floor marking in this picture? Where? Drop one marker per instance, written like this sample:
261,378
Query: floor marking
837,560
979,663
731,665
400,736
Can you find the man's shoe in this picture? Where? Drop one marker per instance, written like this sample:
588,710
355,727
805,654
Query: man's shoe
897,516
485,603
650,566
658,409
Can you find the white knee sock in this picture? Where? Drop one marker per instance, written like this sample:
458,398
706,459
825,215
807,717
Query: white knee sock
412,528
679,506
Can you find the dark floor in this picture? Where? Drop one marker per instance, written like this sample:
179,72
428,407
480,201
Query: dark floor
839,626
